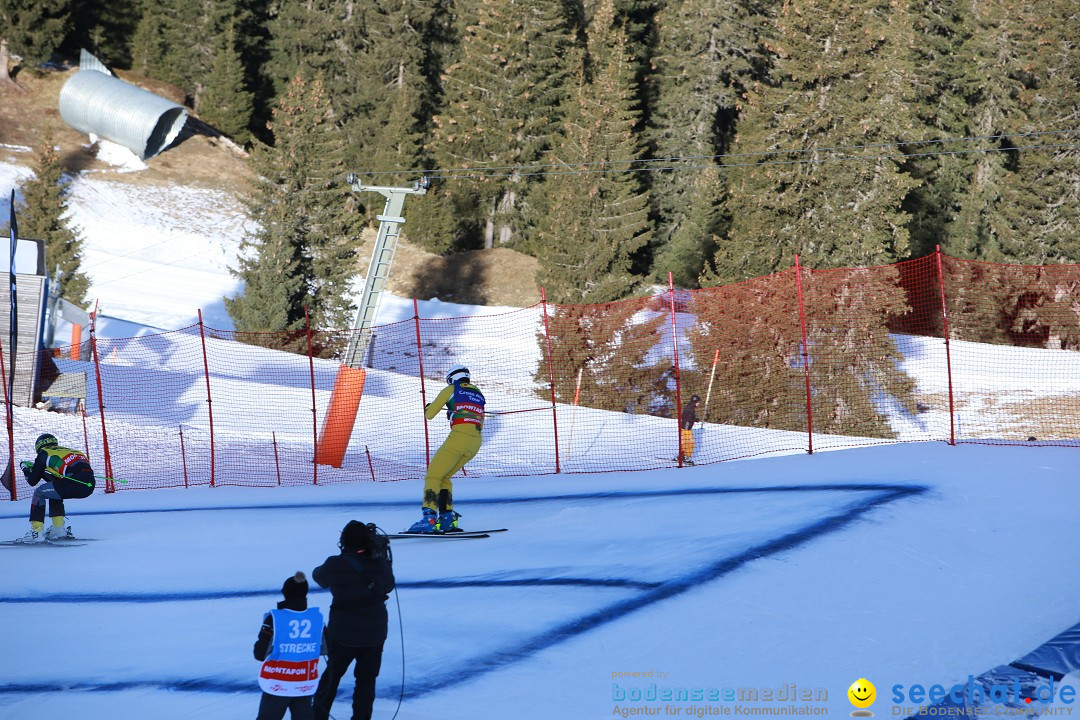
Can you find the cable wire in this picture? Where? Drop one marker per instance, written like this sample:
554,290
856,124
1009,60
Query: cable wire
675,162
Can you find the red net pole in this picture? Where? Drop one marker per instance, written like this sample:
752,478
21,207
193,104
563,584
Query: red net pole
110,484
10,424
314,418
678,376
805,357
551,379
209,400
183,456
423,392
948,353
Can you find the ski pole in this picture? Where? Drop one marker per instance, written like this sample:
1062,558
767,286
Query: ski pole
708,393
27,464
573,417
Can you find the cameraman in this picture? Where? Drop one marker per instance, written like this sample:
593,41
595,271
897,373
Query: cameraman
360,579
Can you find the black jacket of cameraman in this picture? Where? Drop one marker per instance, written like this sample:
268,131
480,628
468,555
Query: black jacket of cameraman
359,579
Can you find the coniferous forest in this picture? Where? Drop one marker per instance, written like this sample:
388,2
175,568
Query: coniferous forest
617,140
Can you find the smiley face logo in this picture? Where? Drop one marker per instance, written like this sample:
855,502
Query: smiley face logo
862,693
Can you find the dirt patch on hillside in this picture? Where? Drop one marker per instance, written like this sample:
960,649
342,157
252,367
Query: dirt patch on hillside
478,277
197,159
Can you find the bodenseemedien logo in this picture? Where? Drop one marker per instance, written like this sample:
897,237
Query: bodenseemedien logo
862,694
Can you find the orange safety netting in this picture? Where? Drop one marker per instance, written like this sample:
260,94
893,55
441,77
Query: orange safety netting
799,361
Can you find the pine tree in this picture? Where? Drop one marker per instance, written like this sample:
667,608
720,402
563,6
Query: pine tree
991,112
323,37
147,43
104,27
610,344
385,124
697,235
842,77
188,35
942,30
41,216
1041,206
755,326
1040,198
304,251
501,108
32,29
1014,199
591,216
853,363
708,54
591,212
226,103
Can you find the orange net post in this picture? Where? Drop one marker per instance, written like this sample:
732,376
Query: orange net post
341,416
76,341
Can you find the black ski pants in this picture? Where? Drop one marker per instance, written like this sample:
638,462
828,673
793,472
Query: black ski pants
80,485
273,707
368,661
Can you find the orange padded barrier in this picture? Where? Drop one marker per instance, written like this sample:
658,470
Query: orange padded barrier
341,416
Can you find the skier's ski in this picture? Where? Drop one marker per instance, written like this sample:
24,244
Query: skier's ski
464,534
54,543
440,536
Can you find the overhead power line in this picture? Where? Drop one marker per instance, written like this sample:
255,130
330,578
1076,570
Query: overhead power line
724,160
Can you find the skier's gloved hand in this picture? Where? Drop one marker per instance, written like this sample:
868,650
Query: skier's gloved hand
27,468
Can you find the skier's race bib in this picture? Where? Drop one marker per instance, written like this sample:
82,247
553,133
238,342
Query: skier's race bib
468,406
61,459
292,666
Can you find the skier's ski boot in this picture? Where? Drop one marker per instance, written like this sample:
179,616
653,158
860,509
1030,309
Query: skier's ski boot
425,524
62,532
31,537
448,522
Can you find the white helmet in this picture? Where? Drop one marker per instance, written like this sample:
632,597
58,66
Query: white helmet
458,372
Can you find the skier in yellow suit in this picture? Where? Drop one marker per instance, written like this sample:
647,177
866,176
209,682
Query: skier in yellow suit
464,404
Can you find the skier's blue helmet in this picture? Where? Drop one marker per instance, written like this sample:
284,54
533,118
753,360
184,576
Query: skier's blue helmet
458,372
45,441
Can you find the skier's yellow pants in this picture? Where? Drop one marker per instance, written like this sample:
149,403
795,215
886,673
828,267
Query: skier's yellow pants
459,448
687,444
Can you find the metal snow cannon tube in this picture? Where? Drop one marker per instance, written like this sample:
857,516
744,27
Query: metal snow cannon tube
95,103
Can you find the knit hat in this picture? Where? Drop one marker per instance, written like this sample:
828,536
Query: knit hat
295,587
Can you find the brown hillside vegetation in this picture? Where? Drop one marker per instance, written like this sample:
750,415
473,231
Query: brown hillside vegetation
482,277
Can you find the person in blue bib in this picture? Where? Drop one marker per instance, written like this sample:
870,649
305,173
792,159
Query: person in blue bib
464,404
67,474
289,644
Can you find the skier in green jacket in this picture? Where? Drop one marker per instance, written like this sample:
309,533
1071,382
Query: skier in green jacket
67,474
